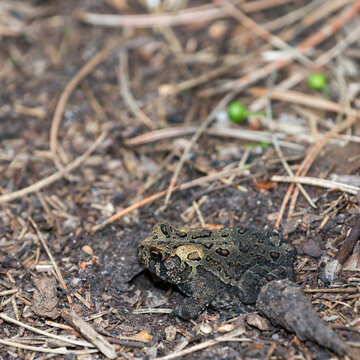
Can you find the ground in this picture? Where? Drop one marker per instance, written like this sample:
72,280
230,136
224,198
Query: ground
44,44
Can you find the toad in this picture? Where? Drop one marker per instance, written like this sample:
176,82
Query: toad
224,268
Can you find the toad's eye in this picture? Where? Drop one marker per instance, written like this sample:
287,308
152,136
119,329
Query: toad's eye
157,256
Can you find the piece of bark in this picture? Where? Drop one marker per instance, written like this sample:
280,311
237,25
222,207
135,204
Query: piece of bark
45,298
334,267
89,333
284,303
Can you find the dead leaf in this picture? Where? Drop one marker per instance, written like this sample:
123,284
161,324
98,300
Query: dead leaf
264,185
143,335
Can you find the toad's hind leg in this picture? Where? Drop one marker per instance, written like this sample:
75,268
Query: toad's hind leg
255,278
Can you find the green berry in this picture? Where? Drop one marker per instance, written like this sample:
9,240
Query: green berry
237,112
317,81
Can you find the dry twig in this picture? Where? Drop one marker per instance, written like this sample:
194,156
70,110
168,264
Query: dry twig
74,82
56,176
310,158
61,351
49,254
150,199
196,14
127,95
262,31
317,182
232,336
89,333
309,43
46,333
193,140
250,135
333,268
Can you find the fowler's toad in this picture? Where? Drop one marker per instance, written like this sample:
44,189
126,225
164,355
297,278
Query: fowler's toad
222,268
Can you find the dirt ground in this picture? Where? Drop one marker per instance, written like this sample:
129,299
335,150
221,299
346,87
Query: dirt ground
75,96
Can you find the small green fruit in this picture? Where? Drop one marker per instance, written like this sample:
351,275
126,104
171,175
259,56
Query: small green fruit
237,112
317,81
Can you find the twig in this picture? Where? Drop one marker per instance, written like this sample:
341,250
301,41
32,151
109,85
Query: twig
71,86
245,134
193,140
349,290
293,16
153,311
325,58
154,197
48,252
196,14
350,242
175,89
290,173
310,158
8,292
309,43
46,333
232,336
84,301
89,333
258,5
334,267
261,31
127,95
302,99
199,213
340,46
61,350
317,182
54,177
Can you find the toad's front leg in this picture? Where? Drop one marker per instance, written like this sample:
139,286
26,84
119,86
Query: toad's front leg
200,296
192,307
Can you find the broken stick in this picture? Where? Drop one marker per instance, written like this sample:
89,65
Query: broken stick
89,333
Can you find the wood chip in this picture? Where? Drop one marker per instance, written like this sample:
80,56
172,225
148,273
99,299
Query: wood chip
89,333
